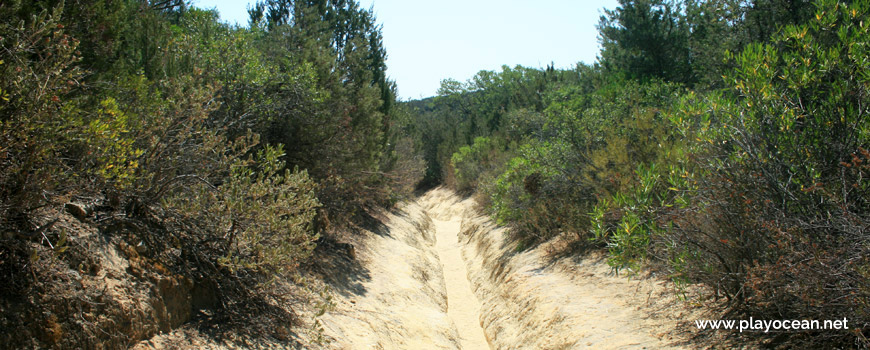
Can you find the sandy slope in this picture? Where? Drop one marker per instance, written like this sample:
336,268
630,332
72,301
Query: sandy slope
401,302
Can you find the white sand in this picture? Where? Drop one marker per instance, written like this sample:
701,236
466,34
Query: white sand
403,304
462,306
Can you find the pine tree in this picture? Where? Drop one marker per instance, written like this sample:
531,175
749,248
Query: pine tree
646,39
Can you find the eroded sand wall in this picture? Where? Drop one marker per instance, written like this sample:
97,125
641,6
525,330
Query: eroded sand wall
531,301
401,302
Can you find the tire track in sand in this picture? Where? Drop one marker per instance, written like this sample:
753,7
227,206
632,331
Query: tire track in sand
463,307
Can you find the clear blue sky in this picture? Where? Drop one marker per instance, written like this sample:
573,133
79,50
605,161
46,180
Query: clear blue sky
428,41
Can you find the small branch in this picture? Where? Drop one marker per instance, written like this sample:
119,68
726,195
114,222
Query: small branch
178,178
41,230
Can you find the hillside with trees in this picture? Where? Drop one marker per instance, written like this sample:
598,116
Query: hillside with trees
159,167
721,143
224,154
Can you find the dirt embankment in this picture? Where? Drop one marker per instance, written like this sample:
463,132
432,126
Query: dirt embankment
530,300
386,287
105,294
398,300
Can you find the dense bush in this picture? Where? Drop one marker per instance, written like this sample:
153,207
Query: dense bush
589,145
39,124
472,162
793,144
490,104
752,184
260,219
767,206
223,149
533,195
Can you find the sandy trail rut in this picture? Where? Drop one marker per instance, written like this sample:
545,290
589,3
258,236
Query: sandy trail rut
462,306
441,275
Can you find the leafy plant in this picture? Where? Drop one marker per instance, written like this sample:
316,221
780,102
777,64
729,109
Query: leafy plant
472,162
260,219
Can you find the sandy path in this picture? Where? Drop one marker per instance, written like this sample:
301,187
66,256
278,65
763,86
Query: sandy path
462,306
439,274
530,301
396,299
442,275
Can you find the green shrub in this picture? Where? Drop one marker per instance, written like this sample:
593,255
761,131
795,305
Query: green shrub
776,207
629,222
260,219
509,196
533,195
155,126
471,162
55,145
593,143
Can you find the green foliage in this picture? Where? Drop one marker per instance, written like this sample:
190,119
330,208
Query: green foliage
633,221
260,219
687,41
471,162
336,112
613,130
753,184
233,146
37,76
763,201
170,127
108,133
647,39
480,107
594,141
509,197
535,195
523,125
